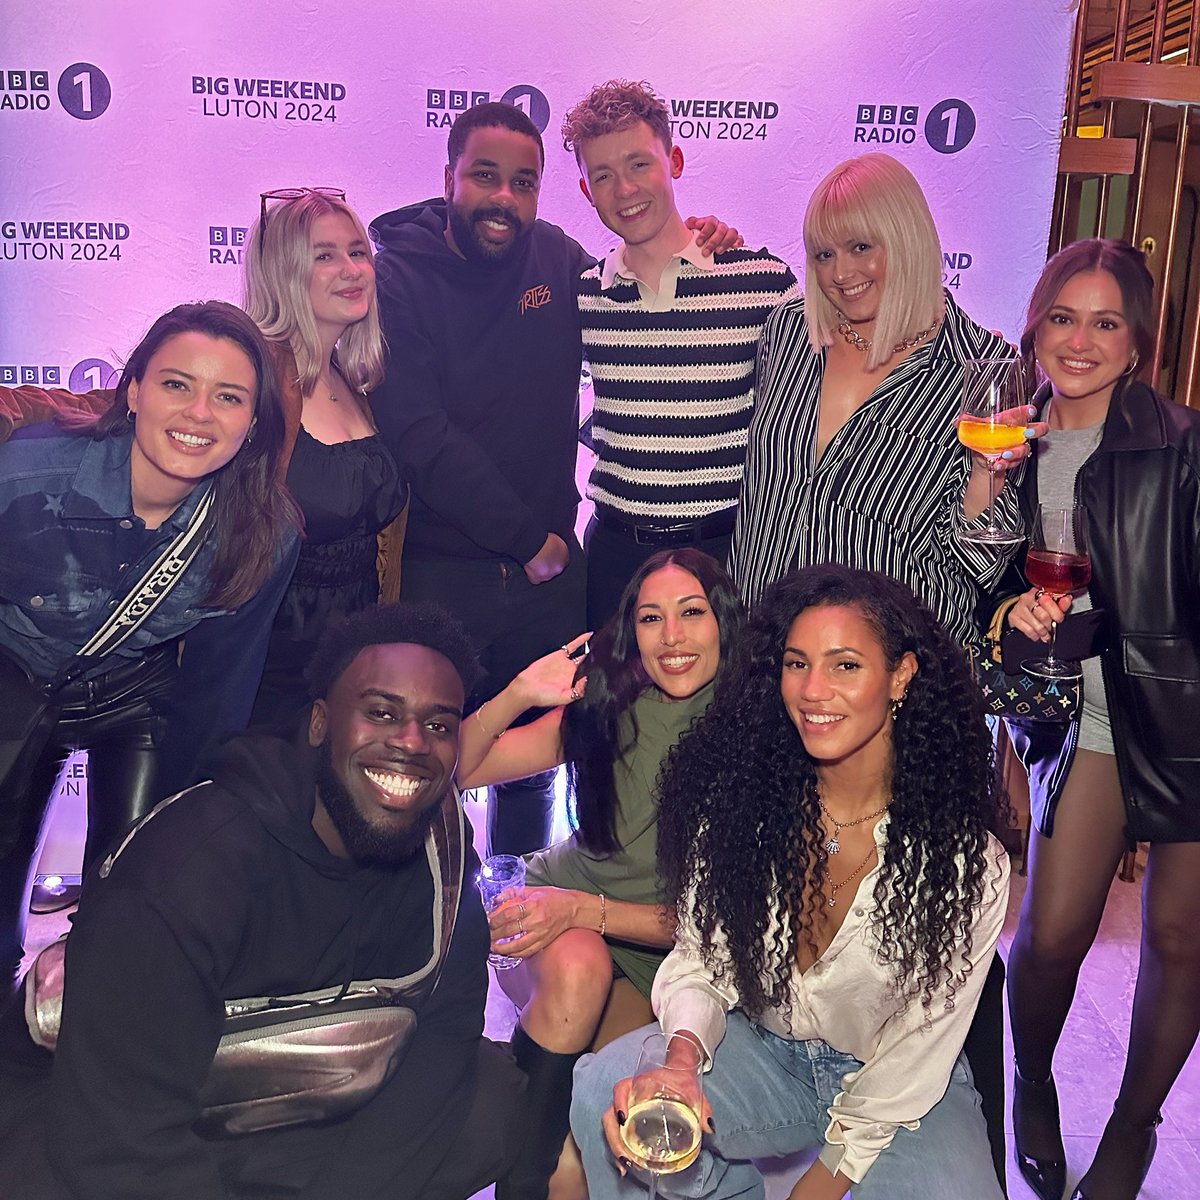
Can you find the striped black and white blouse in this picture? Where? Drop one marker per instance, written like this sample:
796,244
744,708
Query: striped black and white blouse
887,492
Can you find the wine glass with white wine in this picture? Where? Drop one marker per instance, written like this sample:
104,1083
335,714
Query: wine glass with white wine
662,1127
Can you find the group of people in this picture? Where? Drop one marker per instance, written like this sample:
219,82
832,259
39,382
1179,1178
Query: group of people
785,821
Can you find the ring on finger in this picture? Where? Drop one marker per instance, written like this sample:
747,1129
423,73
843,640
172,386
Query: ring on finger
565,649
522,911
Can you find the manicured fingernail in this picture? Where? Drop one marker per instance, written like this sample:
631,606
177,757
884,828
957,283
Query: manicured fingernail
1007,456
1033,410
620,1117
1030,431
624,1165
711,1127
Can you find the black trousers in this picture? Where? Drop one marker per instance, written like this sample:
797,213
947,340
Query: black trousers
613,557
512,622
117,719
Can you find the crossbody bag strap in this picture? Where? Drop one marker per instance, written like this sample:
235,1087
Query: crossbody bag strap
155,585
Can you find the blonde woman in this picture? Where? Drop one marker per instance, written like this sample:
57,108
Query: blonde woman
310,287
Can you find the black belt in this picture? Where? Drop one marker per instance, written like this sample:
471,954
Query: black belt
684,533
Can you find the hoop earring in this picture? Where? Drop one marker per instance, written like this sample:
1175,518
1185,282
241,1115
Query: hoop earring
1133,365
130,416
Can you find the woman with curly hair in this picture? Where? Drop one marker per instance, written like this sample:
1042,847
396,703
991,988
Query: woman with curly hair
827,832
592,927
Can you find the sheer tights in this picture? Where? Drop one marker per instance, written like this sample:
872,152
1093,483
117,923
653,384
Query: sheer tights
1070,875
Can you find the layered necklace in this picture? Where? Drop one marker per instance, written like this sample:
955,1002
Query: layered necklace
834,846
852,337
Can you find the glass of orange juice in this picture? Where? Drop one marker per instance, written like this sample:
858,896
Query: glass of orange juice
992,419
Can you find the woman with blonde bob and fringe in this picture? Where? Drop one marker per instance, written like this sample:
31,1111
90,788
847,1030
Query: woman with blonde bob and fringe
852,454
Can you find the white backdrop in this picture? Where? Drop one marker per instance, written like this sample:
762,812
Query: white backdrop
137,135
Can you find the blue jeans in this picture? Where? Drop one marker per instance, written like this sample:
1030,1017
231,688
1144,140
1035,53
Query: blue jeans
770,1098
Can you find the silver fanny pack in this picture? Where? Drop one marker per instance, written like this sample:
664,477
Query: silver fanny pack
291,1060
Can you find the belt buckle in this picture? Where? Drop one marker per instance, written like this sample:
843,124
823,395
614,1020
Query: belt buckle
661,535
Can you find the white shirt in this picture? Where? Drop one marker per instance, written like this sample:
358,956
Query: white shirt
847,999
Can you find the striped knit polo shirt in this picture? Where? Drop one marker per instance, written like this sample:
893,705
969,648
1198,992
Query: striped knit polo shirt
673,376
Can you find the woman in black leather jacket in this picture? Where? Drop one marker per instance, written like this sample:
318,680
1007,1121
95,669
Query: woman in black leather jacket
1129,769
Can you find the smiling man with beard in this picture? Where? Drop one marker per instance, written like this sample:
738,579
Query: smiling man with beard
337,870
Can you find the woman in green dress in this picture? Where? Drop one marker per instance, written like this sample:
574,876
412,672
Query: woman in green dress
591,926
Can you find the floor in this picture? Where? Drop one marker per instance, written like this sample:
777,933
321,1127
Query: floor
1088,1065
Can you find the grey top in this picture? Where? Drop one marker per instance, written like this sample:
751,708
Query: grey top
1060,455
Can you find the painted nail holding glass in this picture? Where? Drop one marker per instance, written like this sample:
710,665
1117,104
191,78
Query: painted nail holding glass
1058,563
662,1128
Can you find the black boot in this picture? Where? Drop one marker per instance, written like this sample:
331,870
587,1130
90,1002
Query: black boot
549,1101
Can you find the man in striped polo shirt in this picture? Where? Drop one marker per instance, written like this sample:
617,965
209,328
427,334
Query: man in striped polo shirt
671,338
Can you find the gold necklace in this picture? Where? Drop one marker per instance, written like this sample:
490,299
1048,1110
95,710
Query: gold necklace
833,846
852,337
833,887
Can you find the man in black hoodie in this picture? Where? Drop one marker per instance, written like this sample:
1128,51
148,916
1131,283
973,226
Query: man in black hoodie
481,409
294,870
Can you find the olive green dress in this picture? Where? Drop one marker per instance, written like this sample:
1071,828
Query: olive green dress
632,873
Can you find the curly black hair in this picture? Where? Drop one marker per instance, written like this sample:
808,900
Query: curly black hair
427,625
615,679
740,835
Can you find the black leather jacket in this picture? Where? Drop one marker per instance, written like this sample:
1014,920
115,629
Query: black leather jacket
1141,488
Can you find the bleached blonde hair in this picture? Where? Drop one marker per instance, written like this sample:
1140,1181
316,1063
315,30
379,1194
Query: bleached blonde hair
877,199
278,267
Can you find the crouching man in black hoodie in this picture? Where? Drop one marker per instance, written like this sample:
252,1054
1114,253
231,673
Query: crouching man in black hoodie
309,881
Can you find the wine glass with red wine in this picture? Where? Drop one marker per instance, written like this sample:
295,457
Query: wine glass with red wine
1058,562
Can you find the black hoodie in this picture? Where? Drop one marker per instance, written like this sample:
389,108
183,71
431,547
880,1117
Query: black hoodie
228,892
481,401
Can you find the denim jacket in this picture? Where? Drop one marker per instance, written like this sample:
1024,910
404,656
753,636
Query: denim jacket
71,548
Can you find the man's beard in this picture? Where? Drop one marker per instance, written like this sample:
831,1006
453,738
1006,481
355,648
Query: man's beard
369,844
473,246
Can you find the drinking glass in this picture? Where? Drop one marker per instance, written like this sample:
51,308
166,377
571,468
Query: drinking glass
991,419
662,1128
501,878
1058,563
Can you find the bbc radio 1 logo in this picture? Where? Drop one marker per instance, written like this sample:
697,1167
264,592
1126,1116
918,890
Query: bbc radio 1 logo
83,90
948,127
225,245
442,105
87,375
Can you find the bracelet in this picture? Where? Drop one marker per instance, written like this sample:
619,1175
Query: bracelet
479,717
603,915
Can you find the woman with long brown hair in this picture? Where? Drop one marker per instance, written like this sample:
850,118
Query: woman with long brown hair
169,511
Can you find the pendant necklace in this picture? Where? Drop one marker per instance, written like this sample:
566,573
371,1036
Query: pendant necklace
833,887
833,846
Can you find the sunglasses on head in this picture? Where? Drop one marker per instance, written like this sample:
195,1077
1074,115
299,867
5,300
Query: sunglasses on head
290,193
